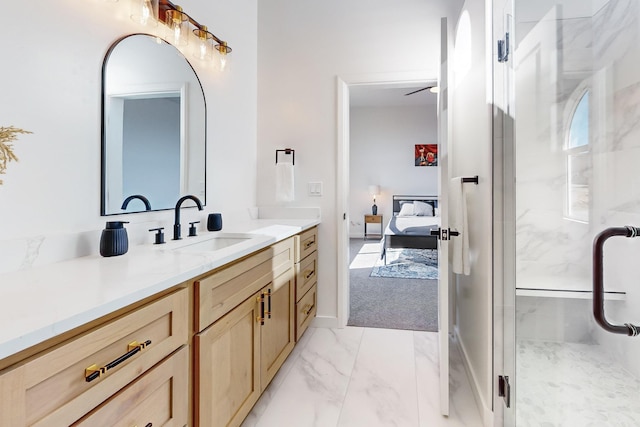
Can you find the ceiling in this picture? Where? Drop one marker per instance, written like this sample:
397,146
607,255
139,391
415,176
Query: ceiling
390,96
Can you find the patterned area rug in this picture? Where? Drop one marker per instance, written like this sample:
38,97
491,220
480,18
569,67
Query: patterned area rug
408,264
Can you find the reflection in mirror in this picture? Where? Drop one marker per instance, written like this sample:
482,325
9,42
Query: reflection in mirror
154,126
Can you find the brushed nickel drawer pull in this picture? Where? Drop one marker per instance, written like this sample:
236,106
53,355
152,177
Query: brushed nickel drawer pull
93,372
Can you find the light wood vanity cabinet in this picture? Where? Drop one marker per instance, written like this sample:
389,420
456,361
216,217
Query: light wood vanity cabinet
306,264
238,355
200,354
61,386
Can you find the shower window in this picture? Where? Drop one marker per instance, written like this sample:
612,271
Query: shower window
578,162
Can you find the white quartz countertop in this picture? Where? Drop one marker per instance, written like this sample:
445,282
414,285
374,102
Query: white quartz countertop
42,302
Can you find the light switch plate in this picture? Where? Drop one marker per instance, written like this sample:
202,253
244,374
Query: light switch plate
315,189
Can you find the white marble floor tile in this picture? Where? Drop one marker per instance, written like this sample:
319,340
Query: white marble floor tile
313,390
382,390
463,411
365,377
271,390
428,378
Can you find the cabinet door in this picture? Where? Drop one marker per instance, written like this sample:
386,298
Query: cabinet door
227,370
278,331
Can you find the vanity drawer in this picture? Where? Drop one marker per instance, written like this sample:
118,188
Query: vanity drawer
160,397
306,274
57,388
306,311
306,243
219,293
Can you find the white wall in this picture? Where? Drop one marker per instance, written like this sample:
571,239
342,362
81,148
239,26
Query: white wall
302,47
471,154
50,82
382,144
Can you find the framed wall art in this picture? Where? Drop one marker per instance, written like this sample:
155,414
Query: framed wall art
426,155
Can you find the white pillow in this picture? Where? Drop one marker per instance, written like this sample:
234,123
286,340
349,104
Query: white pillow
436,212
406,210
422,208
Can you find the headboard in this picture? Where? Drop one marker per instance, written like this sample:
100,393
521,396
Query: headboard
399,199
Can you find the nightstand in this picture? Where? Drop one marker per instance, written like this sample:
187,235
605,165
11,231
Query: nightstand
372,219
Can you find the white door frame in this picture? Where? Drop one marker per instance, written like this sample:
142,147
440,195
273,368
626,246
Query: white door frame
343,83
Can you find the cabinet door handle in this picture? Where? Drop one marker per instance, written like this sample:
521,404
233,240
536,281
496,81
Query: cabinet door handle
260,318
307,309
268,294
309,243
93,372
308,274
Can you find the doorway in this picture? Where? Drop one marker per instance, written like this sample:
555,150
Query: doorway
387,123
345,86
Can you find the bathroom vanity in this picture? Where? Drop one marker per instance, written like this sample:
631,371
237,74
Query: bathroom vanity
185,334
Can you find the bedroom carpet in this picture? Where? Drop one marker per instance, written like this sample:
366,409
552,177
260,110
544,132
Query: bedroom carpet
408,264
384,302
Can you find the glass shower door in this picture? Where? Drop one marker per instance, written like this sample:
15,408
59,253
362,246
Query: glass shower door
576,142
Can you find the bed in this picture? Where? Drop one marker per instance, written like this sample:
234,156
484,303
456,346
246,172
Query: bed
413,219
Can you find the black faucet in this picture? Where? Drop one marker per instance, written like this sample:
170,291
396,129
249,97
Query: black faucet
147,205
176,223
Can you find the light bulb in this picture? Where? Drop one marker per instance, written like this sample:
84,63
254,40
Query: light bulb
178,24
204,48
177,33
145,12
223,59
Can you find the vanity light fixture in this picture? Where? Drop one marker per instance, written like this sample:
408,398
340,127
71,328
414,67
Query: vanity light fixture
223,53
204,50
178,23
145,12
178,26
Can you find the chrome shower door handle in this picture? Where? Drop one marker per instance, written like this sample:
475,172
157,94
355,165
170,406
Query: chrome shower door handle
598,280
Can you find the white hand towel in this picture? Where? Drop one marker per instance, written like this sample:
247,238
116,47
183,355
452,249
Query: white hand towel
460,243
284,182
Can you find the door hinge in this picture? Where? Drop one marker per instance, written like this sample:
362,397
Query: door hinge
503,49
504,389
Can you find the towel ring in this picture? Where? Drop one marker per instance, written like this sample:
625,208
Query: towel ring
288,151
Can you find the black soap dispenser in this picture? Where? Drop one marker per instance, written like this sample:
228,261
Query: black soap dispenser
114,240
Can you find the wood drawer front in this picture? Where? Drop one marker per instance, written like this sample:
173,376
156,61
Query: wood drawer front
373,219
159,397
51,389
306,274
217,294
306,243
306,311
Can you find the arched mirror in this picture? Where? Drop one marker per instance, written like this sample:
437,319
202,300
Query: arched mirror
153,126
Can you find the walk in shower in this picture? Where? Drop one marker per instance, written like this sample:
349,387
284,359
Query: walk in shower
571,91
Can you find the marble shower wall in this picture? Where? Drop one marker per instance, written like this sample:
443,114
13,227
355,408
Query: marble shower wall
556,61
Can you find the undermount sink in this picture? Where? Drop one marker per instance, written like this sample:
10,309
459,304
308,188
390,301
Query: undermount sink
219,241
